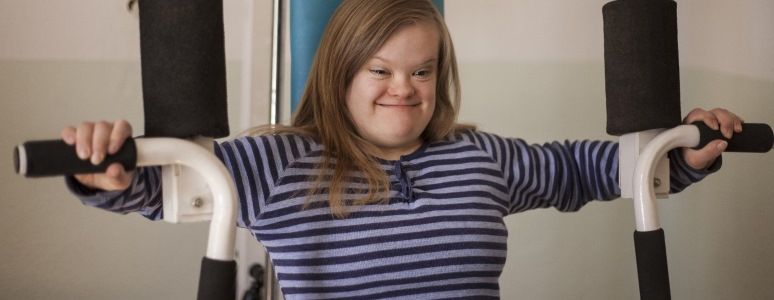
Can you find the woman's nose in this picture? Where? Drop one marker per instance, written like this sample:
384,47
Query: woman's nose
401,87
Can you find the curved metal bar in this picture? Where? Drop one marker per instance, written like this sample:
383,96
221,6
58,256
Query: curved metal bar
645,210
165,151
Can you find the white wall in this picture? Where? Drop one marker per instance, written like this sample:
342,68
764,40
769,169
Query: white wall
62,62
530,69
534,69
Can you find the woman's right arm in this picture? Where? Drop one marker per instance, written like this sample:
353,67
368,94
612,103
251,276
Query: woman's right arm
255,164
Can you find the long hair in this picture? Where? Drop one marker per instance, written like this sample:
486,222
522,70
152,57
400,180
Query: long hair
355,32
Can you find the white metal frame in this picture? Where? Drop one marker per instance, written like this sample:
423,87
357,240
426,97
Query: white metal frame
645,209
169,151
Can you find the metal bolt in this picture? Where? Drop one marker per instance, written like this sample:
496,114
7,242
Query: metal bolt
656,182
197,202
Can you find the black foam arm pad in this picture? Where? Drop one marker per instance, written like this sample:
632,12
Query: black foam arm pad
755,137
642,80
54,157
217,280
183,68
652,271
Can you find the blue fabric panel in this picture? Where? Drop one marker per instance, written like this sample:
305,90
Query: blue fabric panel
439,5
308,19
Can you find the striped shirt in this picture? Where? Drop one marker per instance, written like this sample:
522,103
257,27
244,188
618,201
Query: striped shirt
441,235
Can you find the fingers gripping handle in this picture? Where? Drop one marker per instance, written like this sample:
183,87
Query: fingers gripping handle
55,157
755,137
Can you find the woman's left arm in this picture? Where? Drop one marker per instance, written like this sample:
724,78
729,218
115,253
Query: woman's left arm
568,175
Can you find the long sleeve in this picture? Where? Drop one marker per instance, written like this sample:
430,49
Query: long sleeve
567,175
254,163
142,196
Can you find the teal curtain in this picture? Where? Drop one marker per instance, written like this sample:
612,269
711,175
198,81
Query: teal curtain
308,19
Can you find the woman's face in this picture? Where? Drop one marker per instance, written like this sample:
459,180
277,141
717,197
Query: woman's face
392,96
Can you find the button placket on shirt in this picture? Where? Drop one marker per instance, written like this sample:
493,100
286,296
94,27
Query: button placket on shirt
406,188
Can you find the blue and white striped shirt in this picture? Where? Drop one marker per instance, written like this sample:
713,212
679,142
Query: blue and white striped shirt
440,236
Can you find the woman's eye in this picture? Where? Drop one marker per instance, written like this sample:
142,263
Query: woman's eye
378,72
422,73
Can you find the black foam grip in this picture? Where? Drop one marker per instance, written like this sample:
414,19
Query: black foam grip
755,137
652,271
183,68
642,80
217,280
54,157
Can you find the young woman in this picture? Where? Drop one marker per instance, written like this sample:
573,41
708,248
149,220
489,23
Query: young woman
375,191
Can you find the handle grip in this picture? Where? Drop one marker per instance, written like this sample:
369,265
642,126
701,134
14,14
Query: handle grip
755,137
217,280
652,268
55,157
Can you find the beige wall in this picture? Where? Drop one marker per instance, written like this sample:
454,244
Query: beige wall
62,62
530,69
534,69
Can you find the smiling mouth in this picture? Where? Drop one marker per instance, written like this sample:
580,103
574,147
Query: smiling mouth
398,105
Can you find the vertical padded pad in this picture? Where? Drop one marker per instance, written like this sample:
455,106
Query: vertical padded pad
217,280
183,68
652,267
642,76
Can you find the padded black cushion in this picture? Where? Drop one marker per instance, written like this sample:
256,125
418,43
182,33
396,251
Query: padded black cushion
183,68
642,77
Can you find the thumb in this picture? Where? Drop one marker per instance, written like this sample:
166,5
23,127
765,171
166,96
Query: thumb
704,157
117,177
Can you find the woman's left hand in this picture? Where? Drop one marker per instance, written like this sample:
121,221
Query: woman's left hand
727,122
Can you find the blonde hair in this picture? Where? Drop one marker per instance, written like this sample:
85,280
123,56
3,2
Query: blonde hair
355,32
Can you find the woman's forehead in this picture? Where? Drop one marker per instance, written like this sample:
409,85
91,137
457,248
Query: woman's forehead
417,43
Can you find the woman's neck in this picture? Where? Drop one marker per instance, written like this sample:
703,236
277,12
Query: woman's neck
395,153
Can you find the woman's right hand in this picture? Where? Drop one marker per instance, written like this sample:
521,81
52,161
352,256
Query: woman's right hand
93,141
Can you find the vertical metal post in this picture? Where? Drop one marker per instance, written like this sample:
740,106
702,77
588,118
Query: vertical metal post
274,114
276,62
